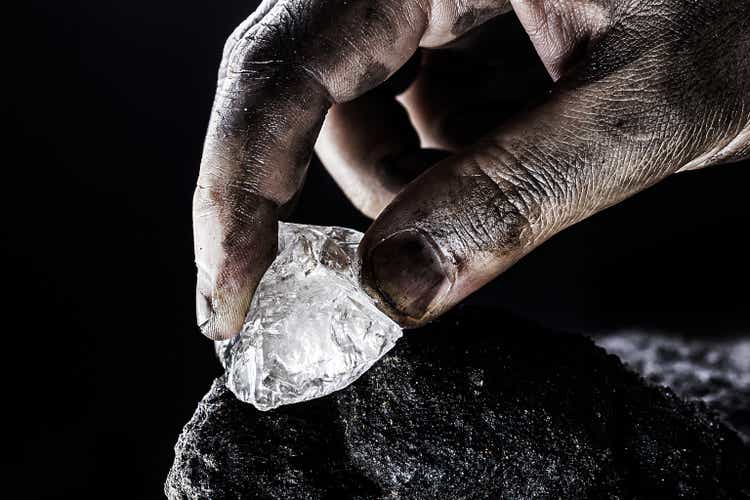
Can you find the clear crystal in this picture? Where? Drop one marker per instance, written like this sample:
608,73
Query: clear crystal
311,329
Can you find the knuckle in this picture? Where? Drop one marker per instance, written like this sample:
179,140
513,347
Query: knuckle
259,46
500,209
245,26
234,38
275,50
234,202
233,213
525,190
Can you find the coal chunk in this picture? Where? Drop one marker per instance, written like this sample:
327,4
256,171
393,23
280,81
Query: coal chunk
474,406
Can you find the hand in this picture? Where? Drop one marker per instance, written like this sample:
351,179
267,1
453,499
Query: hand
643,89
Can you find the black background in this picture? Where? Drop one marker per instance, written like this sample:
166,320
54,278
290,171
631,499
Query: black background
107,107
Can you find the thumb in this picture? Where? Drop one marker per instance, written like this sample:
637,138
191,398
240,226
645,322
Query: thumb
473,215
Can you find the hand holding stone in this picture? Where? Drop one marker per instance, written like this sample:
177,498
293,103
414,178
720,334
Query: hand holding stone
642,90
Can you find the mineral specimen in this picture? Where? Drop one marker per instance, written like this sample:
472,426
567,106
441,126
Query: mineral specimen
311,329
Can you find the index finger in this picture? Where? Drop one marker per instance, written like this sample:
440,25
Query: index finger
278,78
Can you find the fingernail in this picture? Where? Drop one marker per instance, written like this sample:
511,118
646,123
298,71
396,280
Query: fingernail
409,272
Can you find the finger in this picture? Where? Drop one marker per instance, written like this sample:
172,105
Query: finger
453,94
599,138
464,89
369,146
280,77
561,31
220,271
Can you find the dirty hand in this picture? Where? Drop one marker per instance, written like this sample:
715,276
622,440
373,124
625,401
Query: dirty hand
643,89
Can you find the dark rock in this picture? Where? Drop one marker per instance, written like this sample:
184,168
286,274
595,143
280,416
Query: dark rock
461,409
716,372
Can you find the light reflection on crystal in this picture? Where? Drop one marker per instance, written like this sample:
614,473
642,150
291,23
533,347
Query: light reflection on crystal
311,329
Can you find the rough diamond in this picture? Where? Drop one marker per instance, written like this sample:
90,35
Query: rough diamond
311,329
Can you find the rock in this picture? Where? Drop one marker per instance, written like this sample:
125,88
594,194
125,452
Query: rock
716,372
462,409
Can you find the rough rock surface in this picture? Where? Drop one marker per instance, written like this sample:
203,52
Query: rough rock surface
716,372
461,409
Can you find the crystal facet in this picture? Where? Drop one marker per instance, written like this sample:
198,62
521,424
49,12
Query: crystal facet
311,329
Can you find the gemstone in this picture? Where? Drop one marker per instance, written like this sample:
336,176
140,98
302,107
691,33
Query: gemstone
311,329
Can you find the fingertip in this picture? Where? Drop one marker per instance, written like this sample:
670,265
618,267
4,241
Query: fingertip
217,320
222,303
233,250
213,330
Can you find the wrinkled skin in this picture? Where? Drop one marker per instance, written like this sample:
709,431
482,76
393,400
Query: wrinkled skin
459,188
